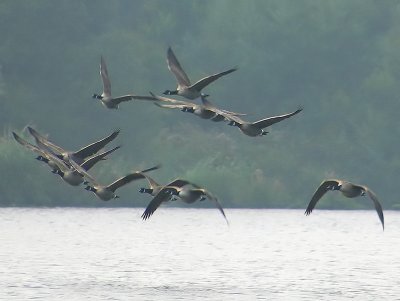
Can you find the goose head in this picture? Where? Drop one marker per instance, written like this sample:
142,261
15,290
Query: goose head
188,109
146,190
233,123
58,172
169,92
90,188
97,96
43,159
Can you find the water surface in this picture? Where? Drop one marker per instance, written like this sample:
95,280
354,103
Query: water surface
191,254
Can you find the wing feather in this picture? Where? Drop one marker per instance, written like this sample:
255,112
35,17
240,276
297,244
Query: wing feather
319,193
129,178
272,120
40,138
205,81
94,147
89,163
176,69
163,195
377,204
104,77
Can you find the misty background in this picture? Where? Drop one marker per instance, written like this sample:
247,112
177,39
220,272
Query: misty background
339,60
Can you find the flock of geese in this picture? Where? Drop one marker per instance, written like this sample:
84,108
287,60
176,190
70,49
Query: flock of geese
73,166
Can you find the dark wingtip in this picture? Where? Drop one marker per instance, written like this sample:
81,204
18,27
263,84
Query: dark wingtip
117,131
31,130
152,168
145,216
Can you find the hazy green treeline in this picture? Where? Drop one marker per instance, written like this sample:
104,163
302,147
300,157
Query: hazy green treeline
338,59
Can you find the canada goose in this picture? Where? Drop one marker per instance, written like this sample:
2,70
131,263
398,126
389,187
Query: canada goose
254,129
205,111
180,189
184,88
78,156
68,173
107,193
161,193
349,190
106,98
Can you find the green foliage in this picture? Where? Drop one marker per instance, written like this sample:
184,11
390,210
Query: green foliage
338,59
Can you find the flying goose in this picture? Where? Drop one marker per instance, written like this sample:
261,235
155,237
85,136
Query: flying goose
161,193
180,189
107,193
185,88
78,156
254,129
349,190
73,175
206,111
106,98
68,173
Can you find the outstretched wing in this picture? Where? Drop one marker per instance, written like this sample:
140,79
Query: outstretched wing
89,163
28,145
118,100
170,100
322,189
210,106
105,78
176,69
179,183
129,178
83,172
163,195
377,204
171,106
199,85
94,147
272,120
216,202
152,183
40,138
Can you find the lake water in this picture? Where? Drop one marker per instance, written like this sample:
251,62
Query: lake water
191,254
